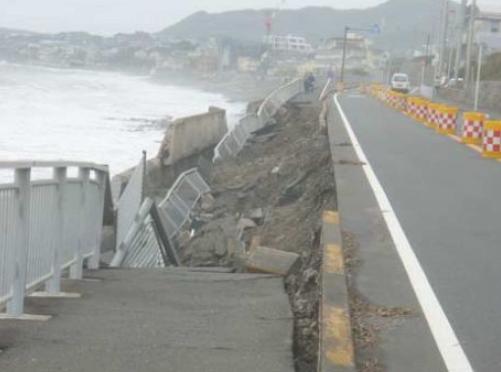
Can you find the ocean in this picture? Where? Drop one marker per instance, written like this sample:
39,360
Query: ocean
102,117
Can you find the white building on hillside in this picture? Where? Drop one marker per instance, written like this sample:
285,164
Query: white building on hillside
289,43
488,25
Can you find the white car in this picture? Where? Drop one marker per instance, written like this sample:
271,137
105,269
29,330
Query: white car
400,83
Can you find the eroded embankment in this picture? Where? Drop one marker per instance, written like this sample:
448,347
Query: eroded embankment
273,195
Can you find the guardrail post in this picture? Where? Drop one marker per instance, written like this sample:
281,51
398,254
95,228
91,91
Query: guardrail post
53,285
96,256
76,270
15,306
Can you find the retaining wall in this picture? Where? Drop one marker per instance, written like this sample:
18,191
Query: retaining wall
192,135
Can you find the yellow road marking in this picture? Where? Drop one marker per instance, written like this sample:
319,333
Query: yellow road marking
333,259
338,344
331,217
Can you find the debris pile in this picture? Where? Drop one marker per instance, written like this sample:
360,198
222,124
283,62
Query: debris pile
268,201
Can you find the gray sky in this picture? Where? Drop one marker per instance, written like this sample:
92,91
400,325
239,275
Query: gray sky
111,16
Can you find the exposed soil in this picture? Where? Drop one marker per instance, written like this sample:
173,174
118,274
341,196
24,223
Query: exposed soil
273,195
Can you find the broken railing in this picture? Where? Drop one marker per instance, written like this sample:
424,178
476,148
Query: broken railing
130,201
49,221
277,99
328,88
234,141
151,240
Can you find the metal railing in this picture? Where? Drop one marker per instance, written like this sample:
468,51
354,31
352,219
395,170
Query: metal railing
150,240
277,99
176,207
328,87
146,244
234,141
130,201
48,225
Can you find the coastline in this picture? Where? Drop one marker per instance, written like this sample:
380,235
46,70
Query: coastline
236,87
122,113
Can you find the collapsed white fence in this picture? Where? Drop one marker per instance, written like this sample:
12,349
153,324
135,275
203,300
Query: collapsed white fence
48,225
181,199
234,141
278,98
130,201
151,239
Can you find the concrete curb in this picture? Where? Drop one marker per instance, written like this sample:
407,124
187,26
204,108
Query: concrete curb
336,352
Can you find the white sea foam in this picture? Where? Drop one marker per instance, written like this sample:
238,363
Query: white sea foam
47,113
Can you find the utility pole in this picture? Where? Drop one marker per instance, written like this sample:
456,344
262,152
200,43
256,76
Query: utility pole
460,39
343,62
479,75
443,34
469,46
426,64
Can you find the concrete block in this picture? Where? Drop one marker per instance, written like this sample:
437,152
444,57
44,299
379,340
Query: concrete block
271,261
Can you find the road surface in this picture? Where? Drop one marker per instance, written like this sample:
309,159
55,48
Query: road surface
166,320
448,201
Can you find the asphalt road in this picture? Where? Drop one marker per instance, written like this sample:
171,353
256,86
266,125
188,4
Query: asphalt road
166,320
448,200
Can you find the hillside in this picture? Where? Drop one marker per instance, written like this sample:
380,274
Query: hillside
405,23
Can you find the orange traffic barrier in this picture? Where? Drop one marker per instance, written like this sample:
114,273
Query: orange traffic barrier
491,142
433,114
412,104
422,110
473,127
447,119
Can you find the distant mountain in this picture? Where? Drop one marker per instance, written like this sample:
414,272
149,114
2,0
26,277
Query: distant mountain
405,23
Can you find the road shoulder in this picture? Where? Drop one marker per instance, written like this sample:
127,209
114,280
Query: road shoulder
390,330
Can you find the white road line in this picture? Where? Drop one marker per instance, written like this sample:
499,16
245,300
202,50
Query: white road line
445,337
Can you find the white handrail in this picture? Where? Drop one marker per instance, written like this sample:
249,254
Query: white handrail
25,164
47,227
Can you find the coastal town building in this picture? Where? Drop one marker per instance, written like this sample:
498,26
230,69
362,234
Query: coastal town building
288,43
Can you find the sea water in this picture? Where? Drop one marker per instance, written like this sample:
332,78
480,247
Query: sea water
103,117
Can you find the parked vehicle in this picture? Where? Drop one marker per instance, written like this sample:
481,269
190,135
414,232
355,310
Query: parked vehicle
400,83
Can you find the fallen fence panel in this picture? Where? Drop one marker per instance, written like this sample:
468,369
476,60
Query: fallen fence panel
146,244
234,141
150,240
130,201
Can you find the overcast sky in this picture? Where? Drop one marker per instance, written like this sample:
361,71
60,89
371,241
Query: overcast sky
111,16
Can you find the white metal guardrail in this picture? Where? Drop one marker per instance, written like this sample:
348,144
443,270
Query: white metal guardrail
234,141
150,240
181,199
130,201
328,87
278,98
145,244
48,225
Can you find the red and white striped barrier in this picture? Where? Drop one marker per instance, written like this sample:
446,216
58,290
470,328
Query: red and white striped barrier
491,144
447,119
433,115
422,111
473,127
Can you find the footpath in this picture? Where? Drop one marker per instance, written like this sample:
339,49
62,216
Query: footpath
156,320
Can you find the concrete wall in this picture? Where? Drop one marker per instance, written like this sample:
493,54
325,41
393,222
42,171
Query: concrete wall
191,135
159,177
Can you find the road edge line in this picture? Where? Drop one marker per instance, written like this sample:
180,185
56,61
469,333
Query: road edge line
336,345
445,337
